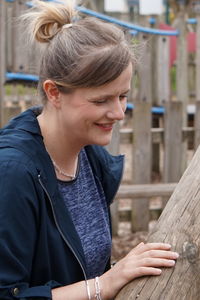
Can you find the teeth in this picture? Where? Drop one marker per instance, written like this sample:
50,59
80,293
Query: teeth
106,125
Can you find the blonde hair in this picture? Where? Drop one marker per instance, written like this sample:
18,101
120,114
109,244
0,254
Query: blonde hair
87,53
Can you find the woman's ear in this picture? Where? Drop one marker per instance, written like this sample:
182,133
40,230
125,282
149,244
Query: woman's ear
52,92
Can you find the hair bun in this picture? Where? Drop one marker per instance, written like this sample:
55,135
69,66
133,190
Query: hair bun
46,19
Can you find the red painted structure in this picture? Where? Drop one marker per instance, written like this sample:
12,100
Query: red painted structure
191,40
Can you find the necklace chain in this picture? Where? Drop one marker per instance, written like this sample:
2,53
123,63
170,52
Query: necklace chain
62,172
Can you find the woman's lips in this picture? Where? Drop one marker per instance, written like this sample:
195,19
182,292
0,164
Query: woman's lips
105,126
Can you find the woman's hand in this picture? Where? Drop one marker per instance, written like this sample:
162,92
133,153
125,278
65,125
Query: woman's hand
144,259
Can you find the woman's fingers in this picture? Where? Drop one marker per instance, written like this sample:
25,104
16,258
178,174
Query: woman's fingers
160,254
156,262
150,246
147,271
146,259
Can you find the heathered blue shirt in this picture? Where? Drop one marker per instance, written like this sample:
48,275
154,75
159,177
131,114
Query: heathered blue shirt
86,203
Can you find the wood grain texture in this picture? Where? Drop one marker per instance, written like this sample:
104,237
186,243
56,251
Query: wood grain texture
145,190
178,225
173,141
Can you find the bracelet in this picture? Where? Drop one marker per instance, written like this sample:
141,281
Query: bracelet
97,289
88,290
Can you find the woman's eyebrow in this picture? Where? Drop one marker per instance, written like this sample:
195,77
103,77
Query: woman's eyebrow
107,95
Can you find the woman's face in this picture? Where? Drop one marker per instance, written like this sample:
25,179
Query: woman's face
87,115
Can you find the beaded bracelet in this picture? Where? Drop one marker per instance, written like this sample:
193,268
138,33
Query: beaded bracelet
97,289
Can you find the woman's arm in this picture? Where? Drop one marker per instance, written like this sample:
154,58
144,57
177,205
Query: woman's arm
145,259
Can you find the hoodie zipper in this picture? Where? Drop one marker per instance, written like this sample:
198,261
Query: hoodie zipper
60,230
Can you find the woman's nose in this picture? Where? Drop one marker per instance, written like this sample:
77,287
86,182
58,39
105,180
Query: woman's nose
117,110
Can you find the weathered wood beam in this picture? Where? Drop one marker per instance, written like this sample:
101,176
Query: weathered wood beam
178,225
157,134
145,190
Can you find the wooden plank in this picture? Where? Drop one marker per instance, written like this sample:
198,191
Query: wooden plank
197,114
2,57
20,62
179,226
142,143
10,112
9,36
197,62
197,125
142,149
145,72
173,142
182,92
145,190
163,77
157,134
113,148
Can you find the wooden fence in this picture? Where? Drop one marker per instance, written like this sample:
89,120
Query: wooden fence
159,142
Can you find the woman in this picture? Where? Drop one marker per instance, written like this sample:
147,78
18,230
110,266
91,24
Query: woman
57,181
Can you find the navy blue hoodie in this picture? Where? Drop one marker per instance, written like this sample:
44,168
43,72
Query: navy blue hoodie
39,246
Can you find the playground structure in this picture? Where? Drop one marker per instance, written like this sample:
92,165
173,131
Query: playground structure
160,118
178,226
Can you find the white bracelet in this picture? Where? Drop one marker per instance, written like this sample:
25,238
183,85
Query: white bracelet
88,289
97,289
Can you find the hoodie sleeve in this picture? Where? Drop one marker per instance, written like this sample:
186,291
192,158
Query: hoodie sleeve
19,211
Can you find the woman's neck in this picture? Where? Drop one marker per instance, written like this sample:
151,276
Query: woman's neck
59,146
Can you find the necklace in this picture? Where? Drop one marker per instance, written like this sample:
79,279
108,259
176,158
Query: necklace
62,172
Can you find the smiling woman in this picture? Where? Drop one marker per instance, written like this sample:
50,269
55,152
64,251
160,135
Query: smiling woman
56,180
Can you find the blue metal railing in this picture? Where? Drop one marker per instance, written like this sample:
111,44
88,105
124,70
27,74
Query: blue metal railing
21,76
133,27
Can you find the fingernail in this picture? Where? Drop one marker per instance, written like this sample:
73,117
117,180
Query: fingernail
176,254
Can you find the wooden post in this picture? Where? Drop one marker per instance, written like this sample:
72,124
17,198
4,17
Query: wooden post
197,114
2,56
21,62
113,148
10,112
197,126
142,146
173,141
162,70
141,163
182,74
161,88
179,226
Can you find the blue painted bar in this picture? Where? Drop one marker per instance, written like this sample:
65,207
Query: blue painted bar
21,76
160,110
126,25
133,32
155,109
152,21
192,21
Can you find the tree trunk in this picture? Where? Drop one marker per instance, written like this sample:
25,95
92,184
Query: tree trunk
178,225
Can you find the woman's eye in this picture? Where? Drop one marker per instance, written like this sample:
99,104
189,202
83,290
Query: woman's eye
123,97
100,101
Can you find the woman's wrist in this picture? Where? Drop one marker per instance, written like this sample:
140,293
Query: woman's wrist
110,286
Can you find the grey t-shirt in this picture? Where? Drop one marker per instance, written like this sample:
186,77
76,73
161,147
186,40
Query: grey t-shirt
85,200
